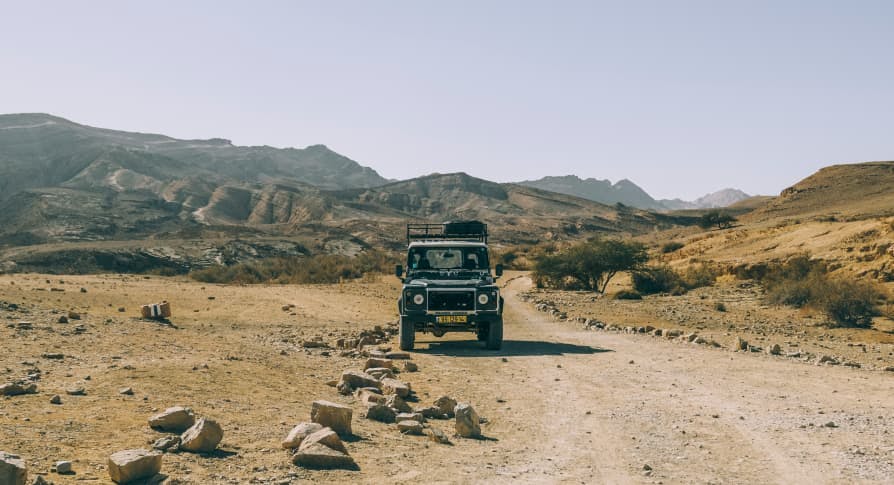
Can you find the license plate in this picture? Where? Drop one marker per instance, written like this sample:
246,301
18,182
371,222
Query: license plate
452,318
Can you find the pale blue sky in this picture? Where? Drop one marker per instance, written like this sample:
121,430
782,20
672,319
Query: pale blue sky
680,97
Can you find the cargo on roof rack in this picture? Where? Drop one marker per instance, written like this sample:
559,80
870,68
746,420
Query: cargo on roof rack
452,230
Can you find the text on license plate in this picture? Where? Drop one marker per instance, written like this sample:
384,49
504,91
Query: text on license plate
452,318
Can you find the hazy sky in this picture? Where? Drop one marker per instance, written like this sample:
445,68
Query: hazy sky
680,97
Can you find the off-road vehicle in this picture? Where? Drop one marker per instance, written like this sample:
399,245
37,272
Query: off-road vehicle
448,285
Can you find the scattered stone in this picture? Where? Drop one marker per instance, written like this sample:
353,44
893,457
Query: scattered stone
368,397
83,290
121,309
126,391
380,373
699,341
74,316
891,367
12,469
398,355
299,433
827,359
76,391
394,386
63,467
468,424
202,437
446,405
410,417
373,362
432,412
741,344
830,424
410,366
351,380
325,437
410,427
334,415
673,333
167,443
176,419
438,436
380,412
40,480
286,308
57,399
314,344
318,456
18,388
62,319
657,332
397,403
131,465
774,349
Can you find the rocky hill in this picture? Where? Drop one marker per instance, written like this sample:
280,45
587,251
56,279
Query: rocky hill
628,193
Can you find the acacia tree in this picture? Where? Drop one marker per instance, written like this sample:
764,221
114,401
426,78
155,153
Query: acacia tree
589,265
717,218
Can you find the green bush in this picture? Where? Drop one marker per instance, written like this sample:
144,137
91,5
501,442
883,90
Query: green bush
628,295
589,265
671,247
716,218
656,279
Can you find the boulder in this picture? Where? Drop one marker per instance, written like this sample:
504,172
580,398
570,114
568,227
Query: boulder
673,333
398,404
167,443
176,419
325,437
202,437
12,469
76,391
432,412
394,386
410,427
372,363
380,373
410,366
334,415
438,436
18,388
57,399
63,467
446,405
131,465
298,433
318,456
368,397
468,424
410,417
381,413
356,380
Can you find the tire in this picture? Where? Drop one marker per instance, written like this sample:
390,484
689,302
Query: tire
495,335
482,332
407,334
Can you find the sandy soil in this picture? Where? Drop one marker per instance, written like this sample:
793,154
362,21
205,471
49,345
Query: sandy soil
563,405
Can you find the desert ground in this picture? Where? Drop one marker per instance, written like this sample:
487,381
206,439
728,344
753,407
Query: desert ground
562,402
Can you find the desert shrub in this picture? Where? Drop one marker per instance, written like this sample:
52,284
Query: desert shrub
699,276
588,265
671,247
628,295
329,268
656,279
848,303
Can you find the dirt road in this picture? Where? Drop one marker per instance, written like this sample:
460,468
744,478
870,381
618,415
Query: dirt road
568,405
563,405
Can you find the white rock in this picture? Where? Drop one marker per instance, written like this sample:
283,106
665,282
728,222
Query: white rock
468,424
298,433
333,415
130,465
176,419
202,437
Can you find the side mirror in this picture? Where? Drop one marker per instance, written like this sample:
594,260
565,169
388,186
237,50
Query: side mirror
399,271
498,270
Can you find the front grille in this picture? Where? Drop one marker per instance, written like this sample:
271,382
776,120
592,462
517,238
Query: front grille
451,300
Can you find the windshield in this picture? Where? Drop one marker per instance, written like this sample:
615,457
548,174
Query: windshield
437,258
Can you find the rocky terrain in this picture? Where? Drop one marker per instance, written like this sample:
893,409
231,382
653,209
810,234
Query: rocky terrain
262,362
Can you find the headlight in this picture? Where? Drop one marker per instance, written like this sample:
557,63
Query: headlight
483,299
418,299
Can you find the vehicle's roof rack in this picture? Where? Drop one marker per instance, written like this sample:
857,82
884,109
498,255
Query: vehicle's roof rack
453,230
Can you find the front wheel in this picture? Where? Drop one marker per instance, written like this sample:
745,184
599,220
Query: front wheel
495,335
407,334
